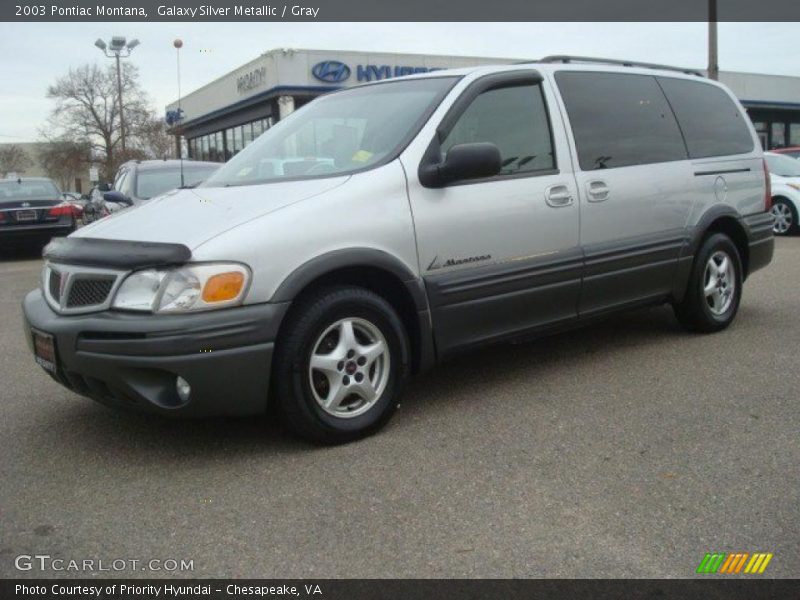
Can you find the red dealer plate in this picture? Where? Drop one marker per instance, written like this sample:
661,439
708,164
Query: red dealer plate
44,350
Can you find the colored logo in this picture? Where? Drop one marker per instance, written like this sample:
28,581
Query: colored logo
173,116
733,563
331,71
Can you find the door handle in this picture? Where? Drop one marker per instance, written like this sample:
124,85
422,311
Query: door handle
597,191
558,196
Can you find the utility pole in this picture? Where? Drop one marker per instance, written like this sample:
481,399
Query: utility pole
713,63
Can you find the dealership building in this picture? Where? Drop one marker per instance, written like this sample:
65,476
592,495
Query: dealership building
219,119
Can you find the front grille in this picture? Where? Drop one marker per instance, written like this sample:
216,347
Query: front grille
74,289
89,292
55,285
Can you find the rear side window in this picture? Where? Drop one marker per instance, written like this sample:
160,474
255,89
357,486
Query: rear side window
619,120
711,122
515,120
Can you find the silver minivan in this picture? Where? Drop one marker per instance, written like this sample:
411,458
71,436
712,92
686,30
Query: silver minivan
383,228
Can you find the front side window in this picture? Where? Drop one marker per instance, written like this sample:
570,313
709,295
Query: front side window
710,120
337,134
515,120
619,120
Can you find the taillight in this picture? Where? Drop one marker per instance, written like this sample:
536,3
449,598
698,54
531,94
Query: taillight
2,217
62,210
768,186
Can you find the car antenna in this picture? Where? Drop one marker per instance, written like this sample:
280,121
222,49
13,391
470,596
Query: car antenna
178,43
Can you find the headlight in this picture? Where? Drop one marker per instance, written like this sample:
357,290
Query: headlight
794,185
185,289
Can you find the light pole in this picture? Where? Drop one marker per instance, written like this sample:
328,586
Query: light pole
118,48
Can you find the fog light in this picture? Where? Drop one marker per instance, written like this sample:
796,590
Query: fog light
183,388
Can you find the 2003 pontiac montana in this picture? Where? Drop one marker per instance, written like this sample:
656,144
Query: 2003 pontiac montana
381,228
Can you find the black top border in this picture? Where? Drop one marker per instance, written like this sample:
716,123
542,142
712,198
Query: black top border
392,11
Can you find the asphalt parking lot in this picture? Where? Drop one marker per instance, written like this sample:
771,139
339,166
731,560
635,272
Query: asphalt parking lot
629,449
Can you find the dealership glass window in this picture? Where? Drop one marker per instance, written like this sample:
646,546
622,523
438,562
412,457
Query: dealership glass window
228,143
219,157
237,139
619,120
515,120
212,147
794,134
710,120
192,148
247,133
258,128
778,135
206,148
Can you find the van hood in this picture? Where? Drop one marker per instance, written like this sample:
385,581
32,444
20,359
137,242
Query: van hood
193,216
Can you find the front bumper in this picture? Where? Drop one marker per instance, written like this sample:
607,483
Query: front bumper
132,360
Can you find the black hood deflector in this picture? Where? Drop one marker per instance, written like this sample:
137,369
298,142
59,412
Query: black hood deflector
115,254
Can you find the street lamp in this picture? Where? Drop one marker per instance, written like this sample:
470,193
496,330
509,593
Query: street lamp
118,48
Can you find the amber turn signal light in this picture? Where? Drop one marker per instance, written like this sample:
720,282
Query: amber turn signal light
223,287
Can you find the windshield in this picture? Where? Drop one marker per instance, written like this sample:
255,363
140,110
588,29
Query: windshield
157,181
337,134
783,165
28,190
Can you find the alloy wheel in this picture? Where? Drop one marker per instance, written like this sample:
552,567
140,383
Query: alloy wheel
349,367
783,217
719,282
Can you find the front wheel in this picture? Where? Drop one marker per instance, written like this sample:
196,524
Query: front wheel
715,286
340,365
785,217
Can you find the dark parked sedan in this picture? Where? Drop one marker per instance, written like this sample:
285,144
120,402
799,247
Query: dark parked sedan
33,208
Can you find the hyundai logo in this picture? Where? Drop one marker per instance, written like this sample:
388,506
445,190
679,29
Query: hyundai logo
331,71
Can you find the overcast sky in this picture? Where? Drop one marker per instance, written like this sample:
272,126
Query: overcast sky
35,54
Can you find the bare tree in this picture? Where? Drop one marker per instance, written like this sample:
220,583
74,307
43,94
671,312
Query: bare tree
154,140
87,111
14,159
65,160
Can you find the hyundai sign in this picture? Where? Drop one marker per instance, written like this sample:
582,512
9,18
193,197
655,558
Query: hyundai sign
331,71
334,71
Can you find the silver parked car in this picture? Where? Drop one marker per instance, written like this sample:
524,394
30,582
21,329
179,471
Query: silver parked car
382,228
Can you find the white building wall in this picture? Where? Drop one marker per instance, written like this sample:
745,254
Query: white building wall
292,68
289,67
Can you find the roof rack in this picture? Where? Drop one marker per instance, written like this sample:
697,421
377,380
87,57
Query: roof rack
565,58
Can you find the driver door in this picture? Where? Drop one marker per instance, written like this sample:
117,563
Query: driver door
500,256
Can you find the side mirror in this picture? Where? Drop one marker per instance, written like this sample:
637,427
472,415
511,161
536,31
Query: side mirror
463,161
117,197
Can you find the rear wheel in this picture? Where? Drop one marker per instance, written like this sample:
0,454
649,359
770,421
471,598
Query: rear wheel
785,217
340,365
715,286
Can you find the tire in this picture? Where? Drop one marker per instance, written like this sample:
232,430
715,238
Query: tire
351,391
785,213
715,290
